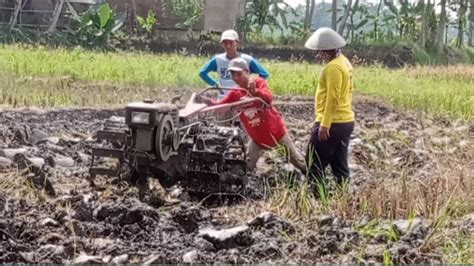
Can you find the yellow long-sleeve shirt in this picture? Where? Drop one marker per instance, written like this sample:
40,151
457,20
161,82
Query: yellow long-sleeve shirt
333,102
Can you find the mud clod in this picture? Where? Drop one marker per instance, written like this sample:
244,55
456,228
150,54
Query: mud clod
60,161
325,220
187,217
228,238
120,259
414,229
5,163
36,135
128,212
272,222
41,182
87,259
9,153
49,222
191,256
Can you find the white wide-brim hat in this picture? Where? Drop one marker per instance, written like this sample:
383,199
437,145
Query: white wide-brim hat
325,39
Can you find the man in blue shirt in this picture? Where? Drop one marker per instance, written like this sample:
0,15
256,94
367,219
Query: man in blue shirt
220,62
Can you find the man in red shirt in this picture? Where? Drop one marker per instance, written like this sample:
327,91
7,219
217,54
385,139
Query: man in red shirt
262,122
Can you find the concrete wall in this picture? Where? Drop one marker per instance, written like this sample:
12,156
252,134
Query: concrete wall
220,15
39,18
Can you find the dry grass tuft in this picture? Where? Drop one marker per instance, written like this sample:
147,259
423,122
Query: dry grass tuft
462,72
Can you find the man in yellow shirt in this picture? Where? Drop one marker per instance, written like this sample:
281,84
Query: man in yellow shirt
334,121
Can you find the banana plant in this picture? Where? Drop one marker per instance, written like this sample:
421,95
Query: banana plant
267,13
407,17
96,26
357,27
299,30
189,12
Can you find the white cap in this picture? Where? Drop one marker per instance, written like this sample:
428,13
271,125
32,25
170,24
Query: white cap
238,64
229,35
325,39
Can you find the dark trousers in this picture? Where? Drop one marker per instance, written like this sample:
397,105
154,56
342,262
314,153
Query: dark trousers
332,151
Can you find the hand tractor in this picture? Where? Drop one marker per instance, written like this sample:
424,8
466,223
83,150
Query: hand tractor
184,147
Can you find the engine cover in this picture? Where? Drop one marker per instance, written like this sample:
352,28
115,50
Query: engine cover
149,112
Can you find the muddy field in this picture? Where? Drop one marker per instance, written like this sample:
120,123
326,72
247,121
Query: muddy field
50,213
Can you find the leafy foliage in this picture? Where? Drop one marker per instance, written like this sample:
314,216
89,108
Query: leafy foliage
147,23
95,27
189,12
271,14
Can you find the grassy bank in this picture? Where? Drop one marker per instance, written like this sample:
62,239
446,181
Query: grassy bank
441,90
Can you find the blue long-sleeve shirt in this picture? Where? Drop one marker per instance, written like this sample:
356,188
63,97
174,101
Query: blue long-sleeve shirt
220,64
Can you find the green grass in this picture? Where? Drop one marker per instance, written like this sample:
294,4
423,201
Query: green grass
460,248
115,78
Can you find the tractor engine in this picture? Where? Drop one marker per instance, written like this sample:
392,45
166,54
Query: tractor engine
152,128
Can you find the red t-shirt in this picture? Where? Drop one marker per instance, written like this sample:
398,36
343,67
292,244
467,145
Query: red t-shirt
263,124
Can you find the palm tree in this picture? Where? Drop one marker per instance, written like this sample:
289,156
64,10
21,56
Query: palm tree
310,5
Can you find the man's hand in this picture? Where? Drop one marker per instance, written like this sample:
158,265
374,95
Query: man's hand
218,88
203,99
323,133
251,86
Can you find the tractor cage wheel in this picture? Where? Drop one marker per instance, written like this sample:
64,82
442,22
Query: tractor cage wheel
165,138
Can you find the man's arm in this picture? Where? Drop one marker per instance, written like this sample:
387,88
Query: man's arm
333,83
257,68
204,72
262,91
230,97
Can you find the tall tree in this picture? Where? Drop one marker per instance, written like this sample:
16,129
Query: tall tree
461,22
431,25
334,15
306,14
347,11
309,13
441,27
424,22
471,21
